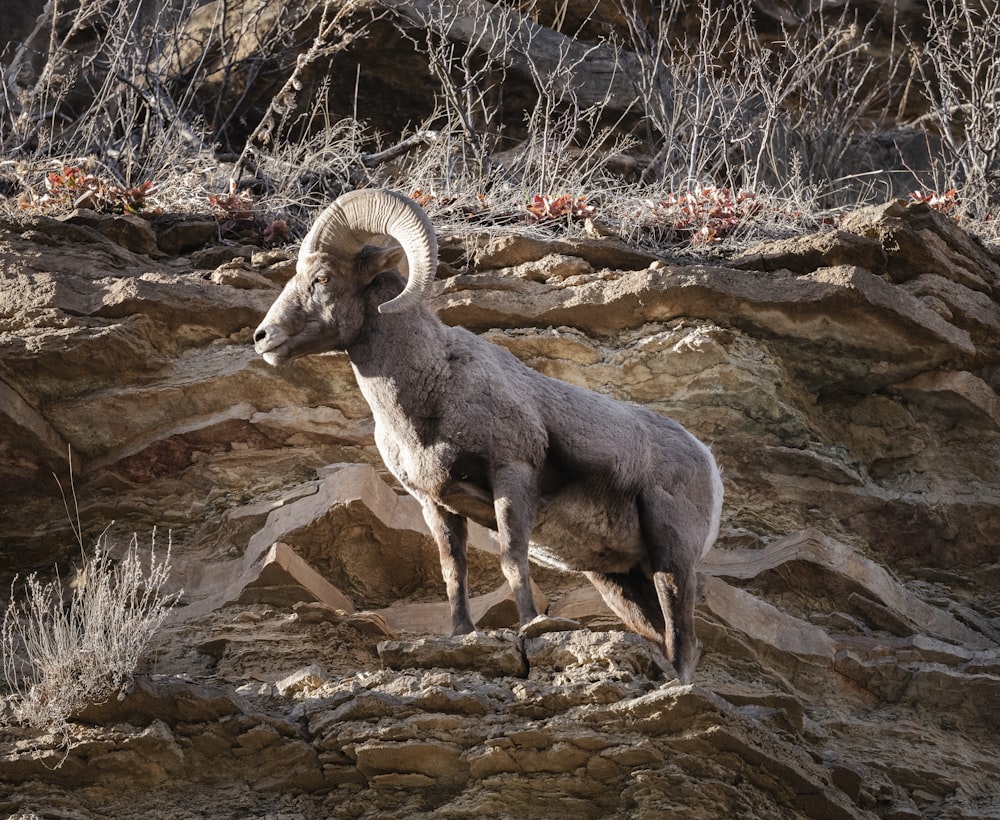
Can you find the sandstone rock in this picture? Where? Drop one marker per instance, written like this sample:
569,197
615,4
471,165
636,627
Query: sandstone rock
272,574
411,764
833,309
96,255
226,257
615,655
375,561
545,624
972,697
177,233
972,310
854,586
824,551
963,397
171,700
920,240
309,677
586,607
368,623
275,576
804,254
515,250
489,654
133,233
30,443
808,650
494,610
236,276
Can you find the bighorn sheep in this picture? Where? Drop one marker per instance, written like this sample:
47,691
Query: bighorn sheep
575,479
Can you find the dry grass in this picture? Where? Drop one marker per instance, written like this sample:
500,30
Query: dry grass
959,71
720,109
65,646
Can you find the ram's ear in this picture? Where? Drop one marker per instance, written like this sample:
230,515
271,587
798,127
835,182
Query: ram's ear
372,260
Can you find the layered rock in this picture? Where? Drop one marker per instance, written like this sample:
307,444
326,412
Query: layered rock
847,382
576,723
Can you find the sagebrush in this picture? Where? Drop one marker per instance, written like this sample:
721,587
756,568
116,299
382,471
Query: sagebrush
66,646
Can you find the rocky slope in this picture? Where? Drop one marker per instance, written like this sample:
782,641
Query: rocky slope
847,382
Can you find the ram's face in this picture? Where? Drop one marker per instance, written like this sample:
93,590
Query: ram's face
315,313
322,307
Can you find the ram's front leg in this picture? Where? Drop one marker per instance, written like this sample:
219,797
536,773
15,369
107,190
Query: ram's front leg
515,501
450,533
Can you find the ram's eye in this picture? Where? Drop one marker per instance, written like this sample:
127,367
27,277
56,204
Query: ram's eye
322,279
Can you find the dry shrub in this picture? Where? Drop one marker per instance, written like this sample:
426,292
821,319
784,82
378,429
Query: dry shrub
147,95
959,70
63,651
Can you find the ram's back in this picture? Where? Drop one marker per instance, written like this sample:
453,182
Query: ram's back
599,460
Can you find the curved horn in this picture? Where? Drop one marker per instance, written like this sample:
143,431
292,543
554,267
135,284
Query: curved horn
357,216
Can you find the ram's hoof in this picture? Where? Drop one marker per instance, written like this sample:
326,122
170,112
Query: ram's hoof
541,624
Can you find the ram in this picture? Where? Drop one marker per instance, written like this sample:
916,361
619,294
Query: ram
567,476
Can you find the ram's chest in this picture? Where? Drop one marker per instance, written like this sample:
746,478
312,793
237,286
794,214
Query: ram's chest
411,452
421,468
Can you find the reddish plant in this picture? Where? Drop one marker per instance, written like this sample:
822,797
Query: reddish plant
946,203
75,188
239,221
545,208
707,215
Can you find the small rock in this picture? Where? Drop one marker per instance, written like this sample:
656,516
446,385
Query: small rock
308,677
180,234
313,612
414,763
804,254
546,623
235,274
131,232
207,258
370,623
275,265
490,654
597,228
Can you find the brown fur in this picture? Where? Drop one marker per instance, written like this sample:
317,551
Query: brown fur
562,473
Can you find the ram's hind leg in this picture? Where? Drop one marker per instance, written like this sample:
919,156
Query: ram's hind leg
672,552
450,533
659,609
676,592
632,597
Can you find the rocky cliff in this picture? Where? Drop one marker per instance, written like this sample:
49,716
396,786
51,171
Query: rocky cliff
847,382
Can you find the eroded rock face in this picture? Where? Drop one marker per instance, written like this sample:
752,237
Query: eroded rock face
847,382
580,719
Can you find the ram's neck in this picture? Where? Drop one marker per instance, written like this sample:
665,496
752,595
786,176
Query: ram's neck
399,360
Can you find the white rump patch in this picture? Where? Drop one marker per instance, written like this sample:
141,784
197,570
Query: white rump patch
716,507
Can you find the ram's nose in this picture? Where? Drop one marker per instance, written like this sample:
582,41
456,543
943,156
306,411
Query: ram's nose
268,341
261,339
